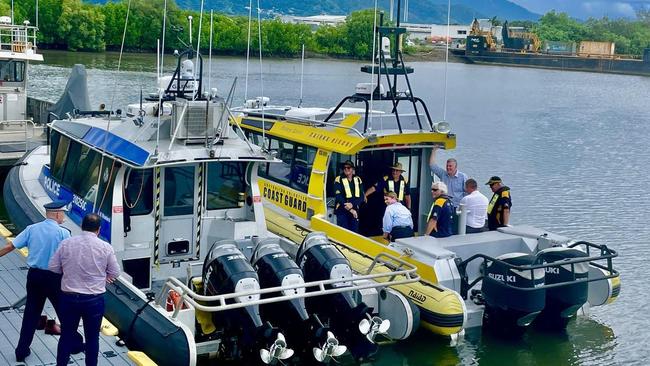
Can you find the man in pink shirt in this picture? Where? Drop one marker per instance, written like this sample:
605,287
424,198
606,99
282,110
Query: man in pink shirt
87,264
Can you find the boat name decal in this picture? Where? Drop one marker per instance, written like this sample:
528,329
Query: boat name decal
79,202
553,270
417,296
329,139
52,186
502,278
285,198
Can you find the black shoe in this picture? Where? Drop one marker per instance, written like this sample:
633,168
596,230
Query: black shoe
20,357
80,348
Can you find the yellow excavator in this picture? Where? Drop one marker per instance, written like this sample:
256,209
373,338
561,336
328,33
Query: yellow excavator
489,39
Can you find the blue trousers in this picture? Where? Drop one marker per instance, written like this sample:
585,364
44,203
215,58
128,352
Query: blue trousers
346,220
41,285
75,307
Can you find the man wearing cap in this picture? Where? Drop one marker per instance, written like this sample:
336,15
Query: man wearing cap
498,210
476,204
439,221
349,196
450,176
42,240
397,222
394,183
87,264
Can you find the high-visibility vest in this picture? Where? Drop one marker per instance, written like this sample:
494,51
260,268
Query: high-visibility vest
357,188
400,191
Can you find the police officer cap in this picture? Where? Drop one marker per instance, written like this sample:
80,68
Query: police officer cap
493,180
59,205
348,163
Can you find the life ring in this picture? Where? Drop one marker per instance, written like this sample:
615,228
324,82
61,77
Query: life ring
174,299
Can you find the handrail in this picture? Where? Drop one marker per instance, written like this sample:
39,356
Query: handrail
409,275
17,38
299,120
605,254
19,122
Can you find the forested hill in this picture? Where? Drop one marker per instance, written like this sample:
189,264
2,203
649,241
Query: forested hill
420,11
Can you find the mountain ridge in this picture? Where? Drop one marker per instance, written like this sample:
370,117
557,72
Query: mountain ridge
420,11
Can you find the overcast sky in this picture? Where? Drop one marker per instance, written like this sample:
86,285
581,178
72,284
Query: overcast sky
587,8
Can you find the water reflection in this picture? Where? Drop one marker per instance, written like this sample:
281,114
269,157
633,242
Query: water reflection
572,147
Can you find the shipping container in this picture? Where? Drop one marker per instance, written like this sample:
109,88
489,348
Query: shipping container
560,48
592,48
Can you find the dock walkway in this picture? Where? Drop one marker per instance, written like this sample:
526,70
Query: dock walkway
13,276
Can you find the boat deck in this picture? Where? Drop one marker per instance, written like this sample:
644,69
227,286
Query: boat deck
13,276
16,139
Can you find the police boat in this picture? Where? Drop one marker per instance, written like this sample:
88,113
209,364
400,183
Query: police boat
171,180
508,277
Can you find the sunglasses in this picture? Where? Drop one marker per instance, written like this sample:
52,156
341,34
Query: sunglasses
347,167
434,189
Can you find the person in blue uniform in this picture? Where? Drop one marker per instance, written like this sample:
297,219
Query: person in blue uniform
42,240
439,221
395,182
348,189
498,211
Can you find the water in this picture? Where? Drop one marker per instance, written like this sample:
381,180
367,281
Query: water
572,147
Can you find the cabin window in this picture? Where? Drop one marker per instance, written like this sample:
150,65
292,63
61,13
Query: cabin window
60,156
12,71
87,174
138,193
104,198
301,169
179,191
281,172
225,184
71,165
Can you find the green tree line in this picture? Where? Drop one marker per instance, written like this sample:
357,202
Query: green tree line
74,25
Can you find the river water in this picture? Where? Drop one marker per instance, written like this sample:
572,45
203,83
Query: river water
572,146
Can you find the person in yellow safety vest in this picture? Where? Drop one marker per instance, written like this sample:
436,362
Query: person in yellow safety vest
498,211
349,196
394,183
441,213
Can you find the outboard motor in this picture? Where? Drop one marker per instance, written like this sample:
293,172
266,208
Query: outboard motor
563,302
321,260
511,299
226,271
275,268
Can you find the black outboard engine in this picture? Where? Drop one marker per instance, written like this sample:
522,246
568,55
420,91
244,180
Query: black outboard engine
511,299
275,268
226,270
321,260
563,302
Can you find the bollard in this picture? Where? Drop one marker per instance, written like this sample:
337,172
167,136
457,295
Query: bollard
462,219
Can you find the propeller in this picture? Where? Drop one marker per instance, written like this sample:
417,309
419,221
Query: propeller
278,351
329,350
373,326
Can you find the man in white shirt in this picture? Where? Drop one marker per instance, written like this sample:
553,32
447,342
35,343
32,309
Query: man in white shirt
476,204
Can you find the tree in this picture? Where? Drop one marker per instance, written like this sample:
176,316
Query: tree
81,26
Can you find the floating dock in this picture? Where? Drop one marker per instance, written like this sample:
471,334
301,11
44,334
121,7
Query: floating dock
13,276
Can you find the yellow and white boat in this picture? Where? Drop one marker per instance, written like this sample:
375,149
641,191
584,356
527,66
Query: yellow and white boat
298,197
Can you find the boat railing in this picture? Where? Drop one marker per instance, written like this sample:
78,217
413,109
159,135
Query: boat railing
399,272
14,133
17,38
604,254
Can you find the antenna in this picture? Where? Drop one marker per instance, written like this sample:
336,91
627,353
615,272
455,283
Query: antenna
210,55
444,102
189,17
248,47
302,73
